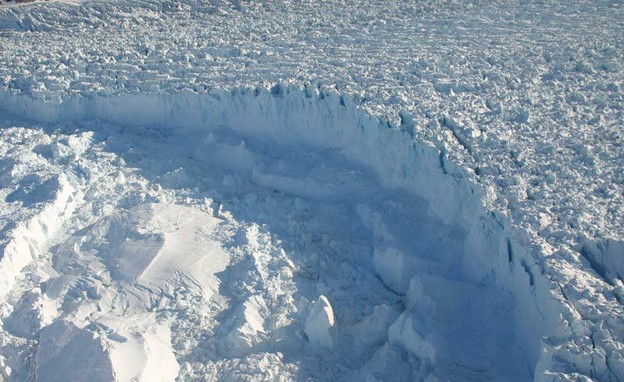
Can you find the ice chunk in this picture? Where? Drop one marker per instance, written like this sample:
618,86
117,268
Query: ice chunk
405,332
417,298
386,364
320,324
394,267
373,329
250,327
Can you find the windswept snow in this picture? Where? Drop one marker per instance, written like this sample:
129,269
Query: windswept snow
331,190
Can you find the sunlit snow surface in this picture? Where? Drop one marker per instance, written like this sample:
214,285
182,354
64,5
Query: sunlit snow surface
357,191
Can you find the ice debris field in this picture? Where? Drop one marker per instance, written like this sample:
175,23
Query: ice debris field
313,191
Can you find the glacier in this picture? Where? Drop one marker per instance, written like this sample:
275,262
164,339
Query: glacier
169,214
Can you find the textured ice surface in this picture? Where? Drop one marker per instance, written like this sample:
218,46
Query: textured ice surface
181,181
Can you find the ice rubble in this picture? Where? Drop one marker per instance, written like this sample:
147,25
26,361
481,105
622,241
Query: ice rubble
30,237
475,302
526,98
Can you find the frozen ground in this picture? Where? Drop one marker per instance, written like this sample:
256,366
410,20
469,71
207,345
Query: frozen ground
327,190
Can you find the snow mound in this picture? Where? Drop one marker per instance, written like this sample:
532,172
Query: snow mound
66,352
152,245
131,263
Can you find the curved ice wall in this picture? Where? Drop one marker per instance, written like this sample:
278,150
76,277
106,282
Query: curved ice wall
493,252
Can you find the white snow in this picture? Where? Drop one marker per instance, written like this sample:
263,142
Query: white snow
67,352
326,190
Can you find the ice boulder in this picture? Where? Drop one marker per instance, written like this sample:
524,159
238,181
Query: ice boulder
407,333
319,325
395,267
373,329
248,328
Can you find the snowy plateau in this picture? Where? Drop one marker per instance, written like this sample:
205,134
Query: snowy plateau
336,190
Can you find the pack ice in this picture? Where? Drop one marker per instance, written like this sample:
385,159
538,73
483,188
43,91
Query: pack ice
278,191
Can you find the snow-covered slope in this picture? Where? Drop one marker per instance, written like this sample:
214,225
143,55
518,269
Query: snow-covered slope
279,191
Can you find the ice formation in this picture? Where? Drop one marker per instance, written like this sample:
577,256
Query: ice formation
351,197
